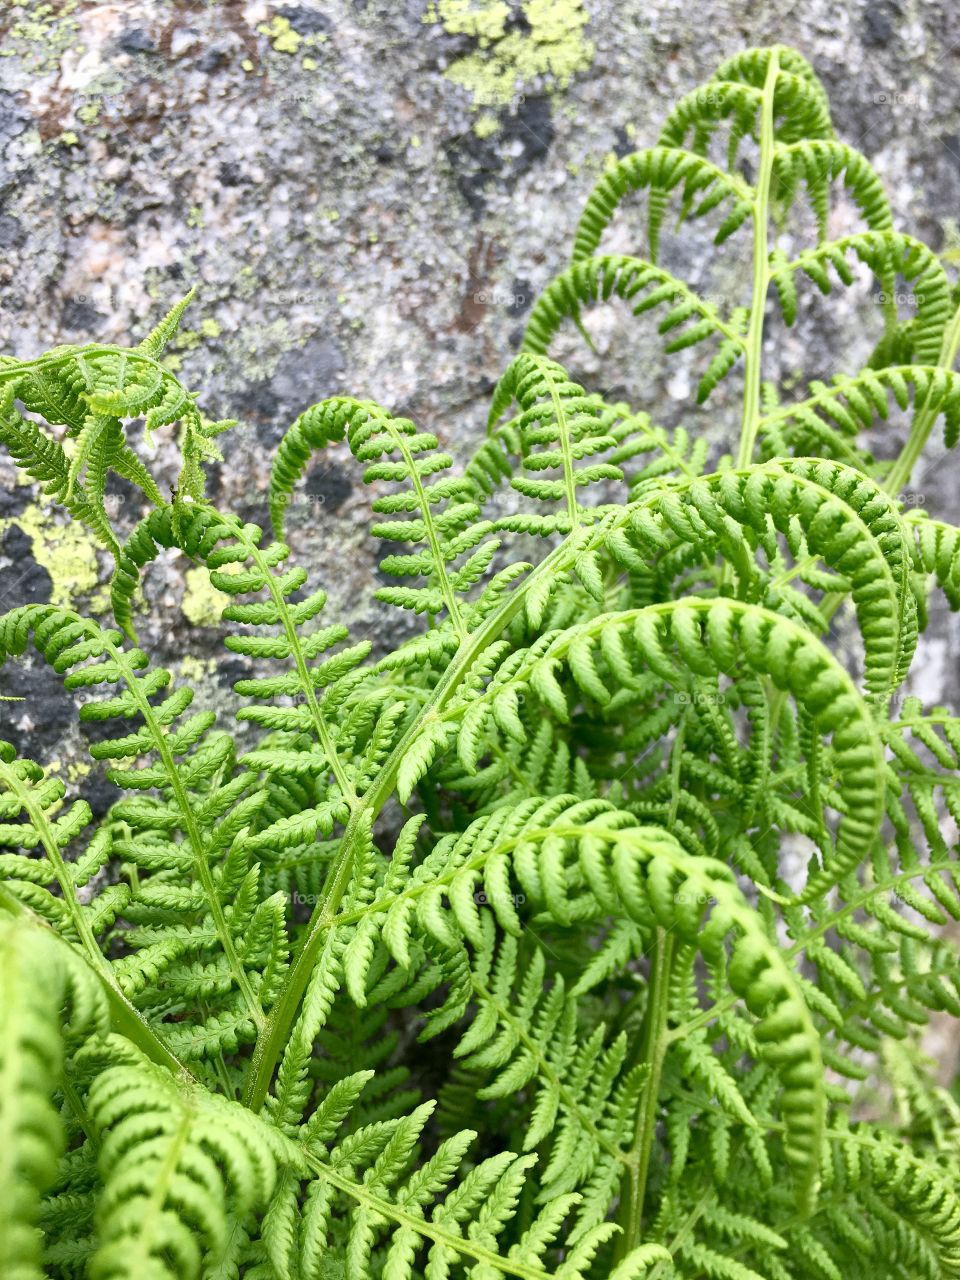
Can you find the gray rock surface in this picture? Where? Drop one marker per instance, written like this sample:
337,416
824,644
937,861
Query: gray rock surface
357,219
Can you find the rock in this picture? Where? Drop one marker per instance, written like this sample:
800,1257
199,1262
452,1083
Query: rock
230,173
328,197
14,117
78,316
523,138
25,581
12,233
304,376
136,40
305,21
328,485
878,20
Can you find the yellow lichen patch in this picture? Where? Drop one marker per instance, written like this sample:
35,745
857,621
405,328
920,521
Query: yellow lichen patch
67,552
43,35
202,603
192,671
283,38
78,771
550,51
486,125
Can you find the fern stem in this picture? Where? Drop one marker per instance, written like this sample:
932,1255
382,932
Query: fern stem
80,1112
273,1035
443,580
303,674
902,468
655,1041
753,355
162,748
569,478
51,847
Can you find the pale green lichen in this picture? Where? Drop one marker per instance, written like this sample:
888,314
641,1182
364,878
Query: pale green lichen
41,38
202,603
282,37
486,125
193,670
67,552
951,241
549,51
78,771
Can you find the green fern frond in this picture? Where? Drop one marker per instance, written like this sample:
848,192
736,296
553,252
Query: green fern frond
174,1164
40,979
624,857
689,319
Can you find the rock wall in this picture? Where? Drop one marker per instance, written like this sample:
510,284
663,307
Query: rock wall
368,198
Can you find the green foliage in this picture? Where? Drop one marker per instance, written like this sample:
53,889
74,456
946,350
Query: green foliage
632,892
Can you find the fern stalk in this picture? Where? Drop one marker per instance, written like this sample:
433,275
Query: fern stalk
753,350
901,471
655,1042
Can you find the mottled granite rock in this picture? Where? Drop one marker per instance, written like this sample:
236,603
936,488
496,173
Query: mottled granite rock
354,220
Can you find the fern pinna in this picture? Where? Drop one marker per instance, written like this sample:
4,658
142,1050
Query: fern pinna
659,876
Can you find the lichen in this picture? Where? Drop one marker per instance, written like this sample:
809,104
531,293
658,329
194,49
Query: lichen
192,670
202,603
67,552
283,38
548,50
41,38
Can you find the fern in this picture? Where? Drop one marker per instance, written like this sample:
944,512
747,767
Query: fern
591,930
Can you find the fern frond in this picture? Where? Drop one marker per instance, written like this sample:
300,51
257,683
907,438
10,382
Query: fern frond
438,515
561,429
832,415
816,162
213,824
662,169
886,254
174,1163
689,319
39,980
